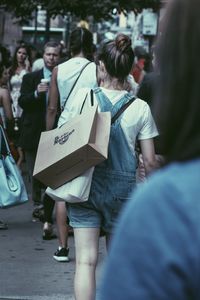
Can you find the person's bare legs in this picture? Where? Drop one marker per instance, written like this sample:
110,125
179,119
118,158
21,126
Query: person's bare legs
61,219
86,248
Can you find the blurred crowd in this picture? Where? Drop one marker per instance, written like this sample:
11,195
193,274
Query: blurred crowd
26,58
153,99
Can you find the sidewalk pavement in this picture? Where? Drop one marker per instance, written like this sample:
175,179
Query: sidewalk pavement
27,268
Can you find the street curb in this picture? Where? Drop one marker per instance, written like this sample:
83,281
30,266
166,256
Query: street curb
44,297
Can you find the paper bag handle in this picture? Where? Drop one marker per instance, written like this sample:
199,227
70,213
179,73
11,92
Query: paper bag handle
91,99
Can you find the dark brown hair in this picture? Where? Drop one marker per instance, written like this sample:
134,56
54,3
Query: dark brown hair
14,60
117,56
177,104
2,68
51,44
81,39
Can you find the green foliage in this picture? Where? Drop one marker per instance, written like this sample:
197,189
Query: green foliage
102,9
20,9
98,9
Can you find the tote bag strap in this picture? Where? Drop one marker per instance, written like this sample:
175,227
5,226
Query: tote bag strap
3,141
121,110
75,84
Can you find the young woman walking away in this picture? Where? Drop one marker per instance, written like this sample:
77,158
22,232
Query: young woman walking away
159,255
114,179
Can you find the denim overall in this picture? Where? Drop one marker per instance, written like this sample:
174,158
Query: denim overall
113,180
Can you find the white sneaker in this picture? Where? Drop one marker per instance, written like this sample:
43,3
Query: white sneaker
61,255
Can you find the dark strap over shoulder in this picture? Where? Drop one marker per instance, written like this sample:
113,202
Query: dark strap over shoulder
75,84
116,116
121,110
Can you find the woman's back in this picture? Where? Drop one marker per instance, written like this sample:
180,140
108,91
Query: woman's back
67,74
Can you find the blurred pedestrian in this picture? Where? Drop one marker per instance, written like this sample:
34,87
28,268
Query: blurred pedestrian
159,255
33,100
21,65
138,69
146,91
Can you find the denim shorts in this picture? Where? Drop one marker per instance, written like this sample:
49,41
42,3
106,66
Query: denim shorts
109,192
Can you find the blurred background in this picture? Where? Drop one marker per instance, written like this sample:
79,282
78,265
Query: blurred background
36,22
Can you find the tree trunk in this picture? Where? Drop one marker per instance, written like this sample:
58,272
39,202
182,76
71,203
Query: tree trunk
47,27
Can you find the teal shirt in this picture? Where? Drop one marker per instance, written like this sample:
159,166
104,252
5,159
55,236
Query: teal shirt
155,253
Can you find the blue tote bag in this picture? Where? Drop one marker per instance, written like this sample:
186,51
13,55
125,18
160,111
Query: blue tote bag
12,187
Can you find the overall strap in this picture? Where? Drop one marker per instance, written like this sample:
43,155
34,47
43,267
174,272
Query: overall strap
103,101
116,115
75,83
121,110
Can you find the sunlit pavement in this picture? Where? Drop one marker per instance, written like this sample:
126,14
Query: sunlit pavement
27,268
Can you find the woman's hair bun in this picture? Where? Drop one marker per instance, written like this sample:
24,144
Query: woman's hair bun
123,42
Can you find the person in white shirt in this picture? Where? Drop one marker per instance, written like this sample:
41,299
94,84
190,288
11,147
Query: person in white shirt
33,100
67,78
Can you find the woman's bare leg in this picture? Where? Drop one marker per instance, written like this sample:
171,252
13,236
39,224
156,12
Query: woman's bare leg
61,220
86,244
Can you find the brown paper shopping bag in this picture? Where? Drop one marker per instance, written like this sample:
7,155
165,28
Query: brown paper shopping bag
66,152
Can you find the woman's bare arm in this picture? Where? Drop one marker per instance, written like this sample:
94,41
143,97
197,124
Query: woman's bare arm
6,102
148,155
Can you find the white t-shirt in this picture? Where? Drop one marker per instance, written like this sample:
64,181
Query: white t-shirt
66,76
136,122
38,64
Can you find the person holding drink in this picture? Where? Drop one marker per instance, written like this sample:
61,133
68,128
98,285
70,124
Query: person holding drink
33,101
